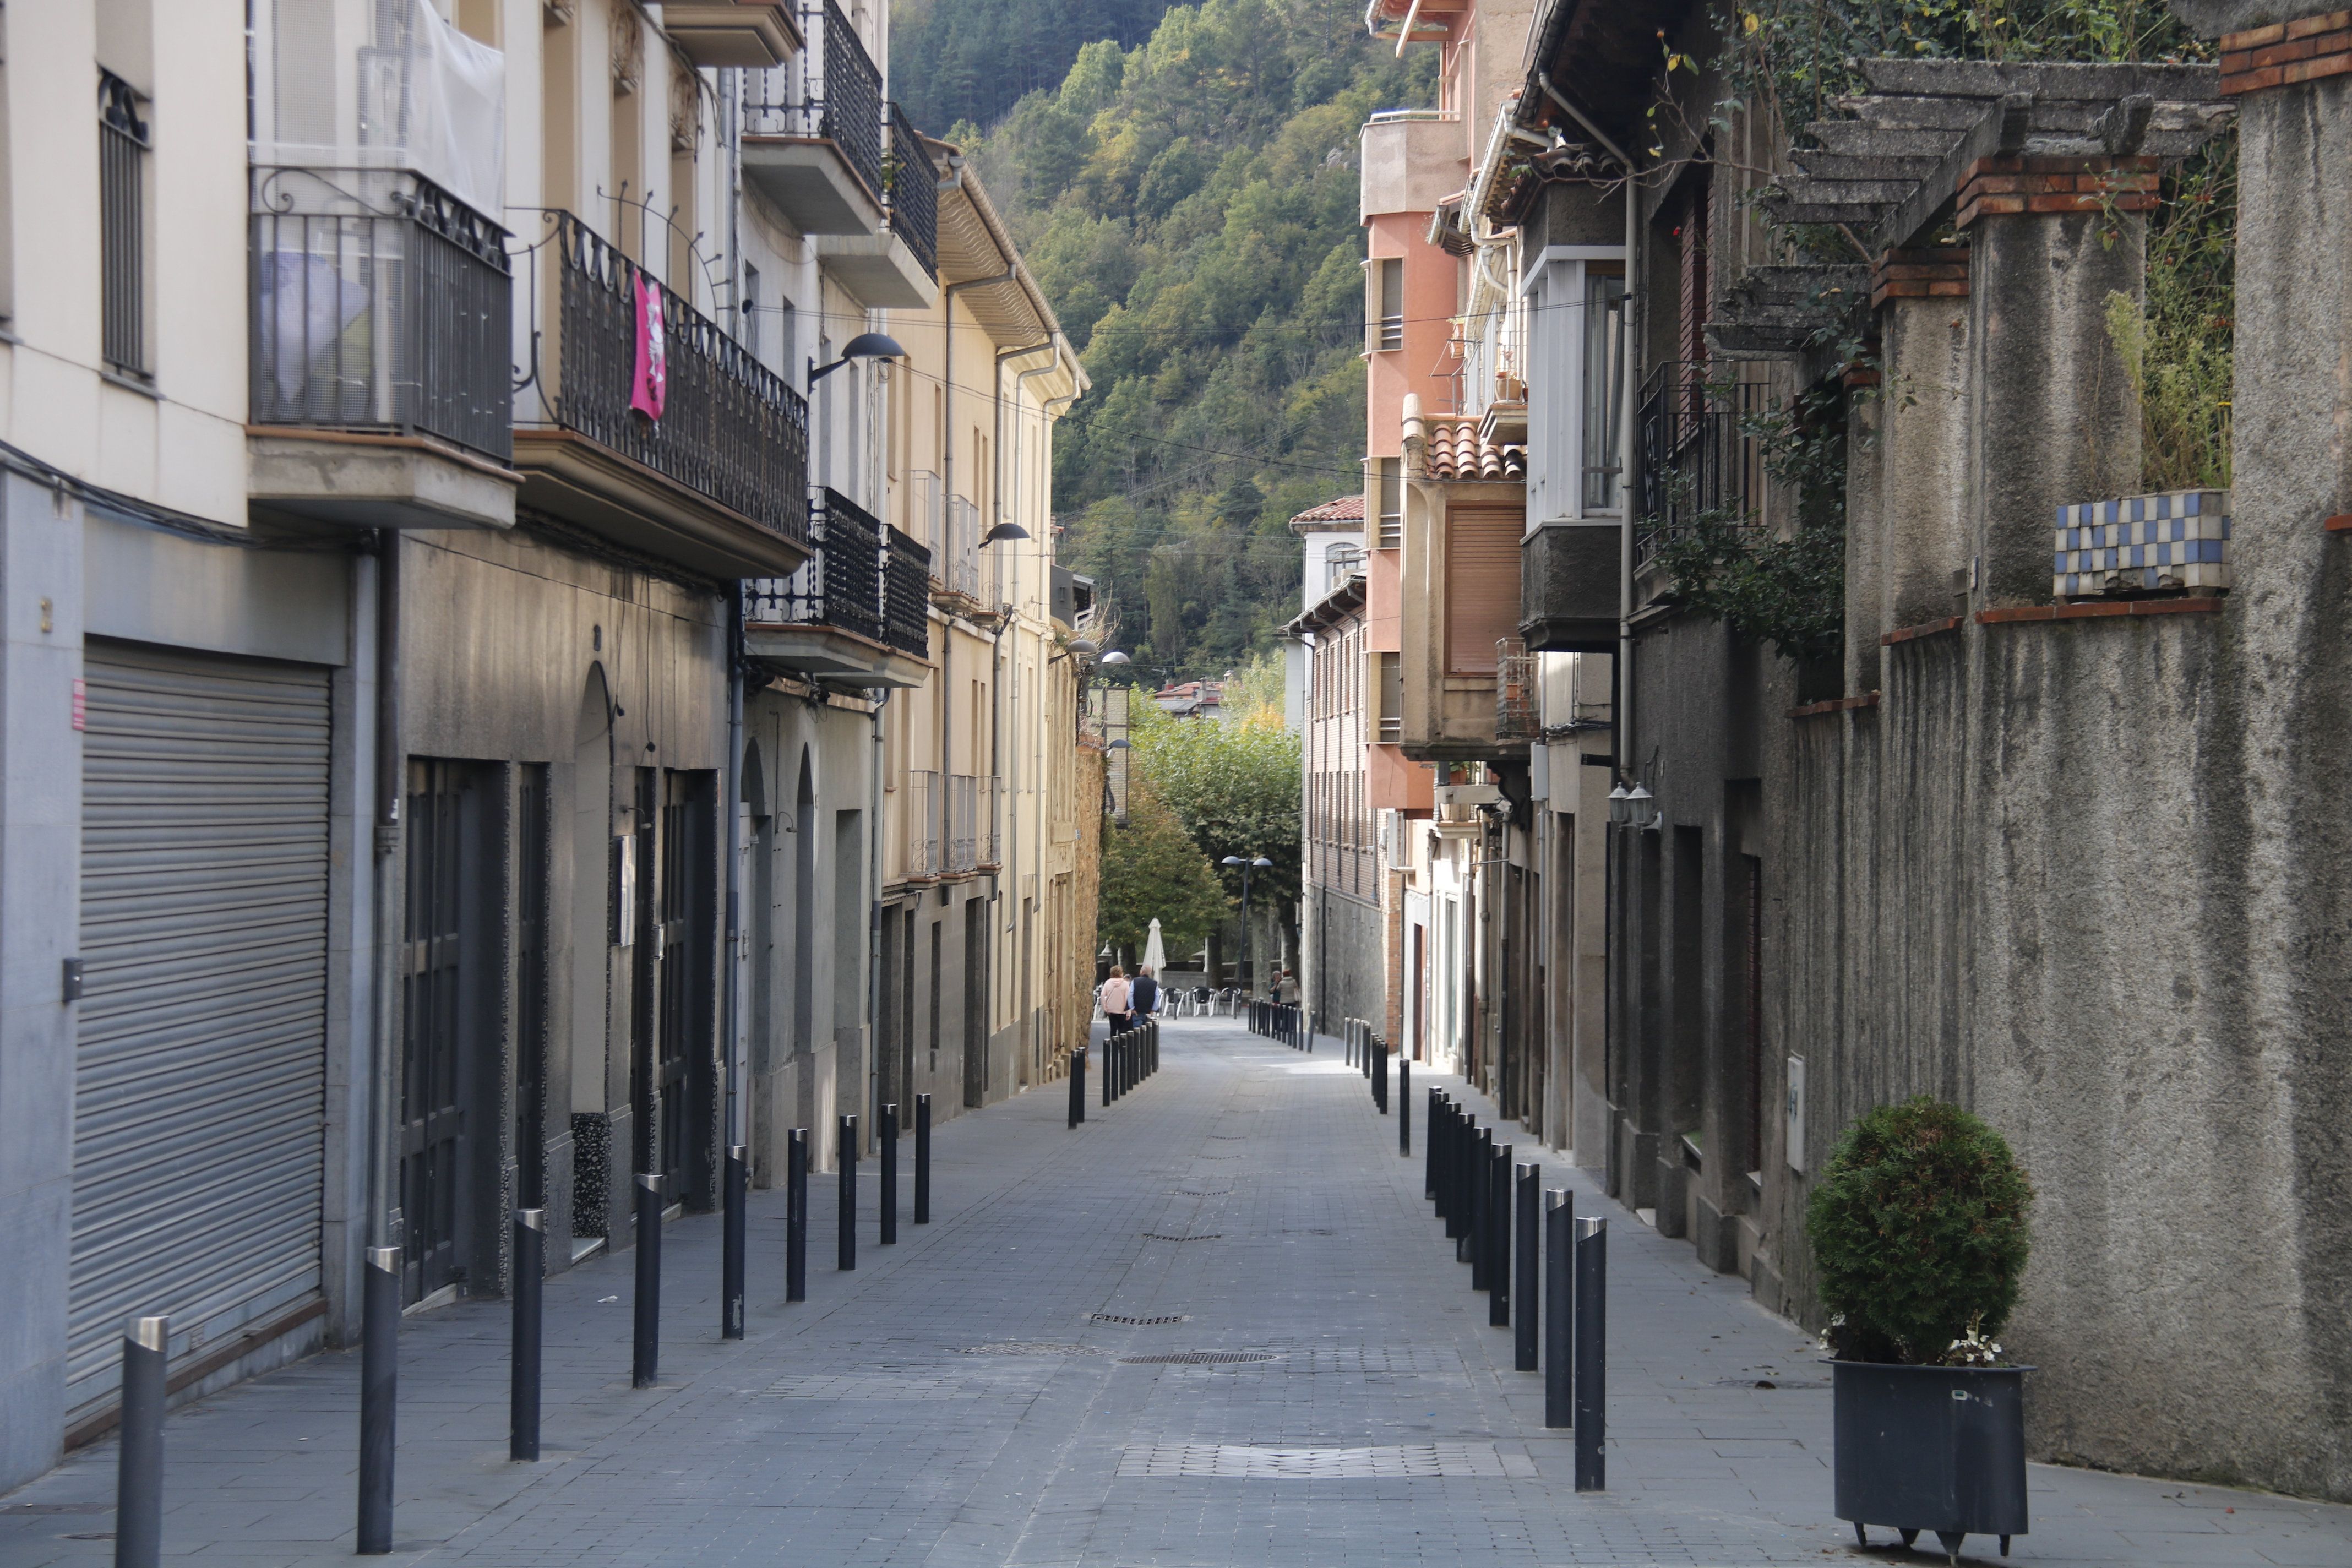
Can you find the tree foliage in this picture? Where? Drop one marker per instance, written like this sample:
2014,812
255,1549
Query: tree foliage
1920,1232
1153,870
1235,786
971,59
1190,207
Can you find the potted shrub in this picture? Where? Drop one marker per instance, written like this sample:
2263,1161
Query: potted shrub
1918,1231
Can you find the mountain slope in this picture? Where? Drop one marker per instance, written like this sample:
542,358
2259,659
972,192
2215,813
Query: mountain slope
1190,207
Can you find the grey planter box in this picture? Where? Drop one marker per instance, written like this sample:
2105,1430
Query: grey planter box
1930,1448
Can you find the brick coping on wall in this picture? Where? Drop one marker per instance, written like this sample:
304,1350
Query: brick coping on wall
1925,629
2097,610
1835,705
2286,53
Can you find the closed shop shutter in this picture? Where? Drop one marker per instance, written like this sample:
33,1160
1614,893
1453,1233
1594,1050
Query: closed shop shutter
200,1065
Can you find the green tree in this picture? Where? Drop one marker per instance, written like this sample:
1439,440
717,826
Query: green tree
1153,870
1235,786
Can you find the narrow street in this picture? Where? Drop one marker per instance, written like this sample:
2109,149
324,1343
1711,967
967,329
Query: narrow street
970,1397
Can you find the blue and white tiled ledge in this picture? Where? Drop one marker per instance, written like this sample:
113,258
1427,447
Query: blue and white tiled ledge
2177,539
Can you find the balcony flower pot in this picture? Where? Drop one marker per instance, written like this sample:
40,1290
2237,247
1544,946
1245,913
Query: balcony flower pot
1938,1449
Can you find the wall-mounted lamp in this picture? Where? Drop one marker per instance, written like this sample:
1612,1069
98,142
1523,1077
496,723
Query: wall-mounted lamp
1619,813
1120,745
1641,810
864,346
1004,533
1080,648
1115,657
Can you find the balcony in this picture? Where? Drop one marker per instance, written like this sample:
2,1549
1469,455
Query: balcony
951,824
906,595
817,153
1412,159
898,267
829,621
717,482
757,35
1698,457
379,359
926,845
955,556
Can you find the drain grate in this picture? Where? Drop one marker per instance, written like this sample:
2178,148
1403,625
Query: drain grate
1202,1191
1018,1348
1157,1235
1199,1358
1243,1462
1129,1323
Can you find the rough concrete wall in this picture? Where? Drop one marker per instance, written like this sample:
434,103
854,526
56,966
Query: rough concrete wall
1341,941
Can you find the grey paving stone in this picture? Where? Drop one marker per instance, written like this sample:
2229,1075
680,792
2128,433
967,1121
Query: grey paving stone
961,1400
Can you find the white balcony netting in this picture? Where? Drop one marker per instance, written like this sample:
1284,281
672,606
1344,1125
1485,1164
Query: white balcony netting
380,85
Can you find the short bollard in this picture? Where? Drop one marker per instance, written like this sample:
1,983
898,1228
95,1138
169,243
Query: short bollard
887,1196
1404,1108
529,1280
845,1163
1078,1085
730,1267
1110,1058
1526,1290
1559,1357
379,1395
796,1178
923,1145
1499,1238
1476,1188
1592,1312
138,1464
645,1368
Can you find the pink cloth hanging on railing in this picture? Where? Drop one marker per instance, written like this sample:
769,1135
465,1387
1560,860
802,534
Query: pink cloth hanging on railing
650,389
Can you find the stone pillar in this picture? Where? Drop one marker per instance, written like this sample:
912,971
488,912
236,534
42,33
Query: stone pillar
1921,300
2053,418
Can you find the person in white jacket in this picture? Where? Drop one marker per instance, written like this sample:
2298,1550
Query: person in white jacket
1114,999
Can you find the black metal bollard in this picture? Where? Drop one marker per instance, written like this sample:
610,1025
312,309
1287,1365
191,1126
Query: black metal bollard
1404,1106
730,1267
1526,1290
1110,1055
845,1163
1078,1085
529,1281
138,1464
1477,1189
796,1176
645,1368
888,1195
1558,1356
1498,1237
923,1144
379,1395
1591,1313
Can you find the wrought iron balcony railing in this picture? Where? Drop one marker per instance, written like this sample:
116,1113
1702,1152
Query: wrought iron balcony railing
840,585
730,428
910,192
1518,707
381,304
839,99
1697,458
905,595
925,847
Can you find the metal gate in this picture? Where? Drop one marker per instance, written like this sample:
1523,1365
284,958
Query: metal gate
444,996
683,1031
199,1059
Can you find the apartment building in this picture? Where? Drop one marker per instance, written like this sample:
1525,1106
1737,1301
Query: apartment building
465,582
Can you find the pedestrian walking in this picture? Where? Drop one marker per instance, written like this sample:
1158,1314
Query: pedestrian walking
1143,996
1115,1000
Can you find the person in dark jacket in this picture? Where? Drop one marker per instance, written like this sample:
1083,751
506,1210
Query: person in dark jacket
1143,996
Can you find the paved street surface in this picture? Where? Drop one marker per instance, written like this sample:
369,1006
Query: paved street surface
996,1389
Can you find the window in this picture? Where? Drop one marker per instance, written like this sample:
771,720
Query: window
123,148
1388,482
1604,387
1386,297
1392,696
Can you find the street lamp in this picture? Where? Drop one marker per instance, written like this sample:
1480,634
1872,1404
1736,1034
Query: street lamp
864,346
1260,864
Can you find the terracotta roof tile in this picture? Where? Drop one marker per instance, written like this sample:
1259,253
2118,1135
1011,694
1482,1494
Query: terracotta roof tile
1457,452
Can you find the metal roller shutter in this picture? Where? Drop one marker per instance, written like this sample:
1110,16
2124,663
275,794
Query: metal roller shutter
200,1069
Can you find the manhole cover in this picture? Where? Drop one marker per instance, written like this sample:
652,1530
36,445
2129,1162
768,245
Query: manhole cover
1138,1322
1199,1358
1156,1236
1019,1349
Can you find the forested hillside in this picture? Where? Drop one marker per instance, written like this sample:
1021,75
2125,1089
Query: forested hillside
954,60
1190,207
